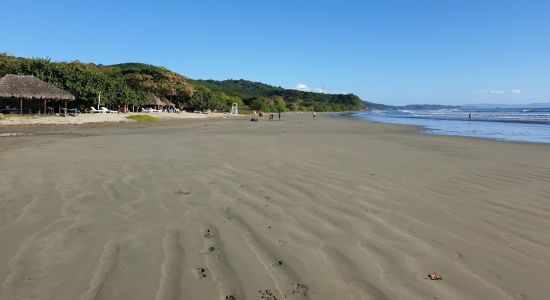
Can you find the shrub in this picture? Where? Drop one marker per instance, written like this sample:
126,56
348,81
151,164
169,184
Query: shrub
142,118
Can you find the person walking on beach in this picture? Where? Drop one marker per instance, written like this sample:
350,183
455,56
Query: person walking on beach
314,114
279,115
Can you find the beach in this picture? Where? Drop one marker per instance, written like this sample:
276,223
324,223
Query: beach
87,118
325,208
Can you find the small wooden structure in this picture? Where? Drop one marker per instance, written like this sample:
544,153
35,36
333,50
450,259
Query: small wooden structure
28,87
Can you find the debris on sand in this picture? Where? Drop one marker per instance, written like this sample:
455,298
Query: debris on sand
434,276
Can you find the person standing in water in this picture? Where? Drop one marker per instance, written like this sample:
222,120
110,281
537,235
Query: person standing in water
469,116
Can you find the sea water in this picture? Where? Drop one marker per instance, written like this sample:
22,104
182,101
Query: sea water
522,125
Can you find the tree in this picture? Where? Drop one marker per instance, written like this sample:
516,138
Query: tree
203,99
259,104
279,104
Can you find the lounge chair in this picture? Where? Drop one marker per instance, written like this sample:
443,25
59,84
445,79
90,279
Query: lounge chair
146,110
106,110
172,110
93,110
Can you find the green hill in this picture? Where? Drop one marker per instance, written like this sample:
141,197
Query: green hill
259,96
131,84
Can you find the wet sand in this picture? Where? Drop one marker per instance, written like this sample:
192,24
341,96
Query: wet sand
303,209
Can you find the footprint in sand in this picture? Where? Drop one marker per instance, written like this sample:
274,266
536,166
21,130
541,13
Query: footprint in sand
299,289
182,193
281,243
218,267
278,263
208,234
200,272
267,295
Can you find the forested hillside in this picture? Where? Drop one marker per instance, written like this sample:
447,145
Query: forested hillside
131,84
259,96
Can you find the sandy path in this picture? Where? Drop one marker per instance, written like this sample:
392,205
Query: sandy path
324,209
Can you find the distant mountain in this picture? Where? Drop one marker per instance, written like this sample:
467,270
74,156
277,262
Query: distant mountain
428,106
377,106
510,106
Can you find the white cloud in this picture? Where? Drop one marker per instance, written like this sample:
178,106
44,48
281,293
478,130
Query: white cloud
302,87
305,88
497,92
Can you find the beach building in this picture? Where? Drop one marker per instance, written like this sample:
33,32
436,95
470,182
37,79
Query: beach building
154,101
158,103
24,94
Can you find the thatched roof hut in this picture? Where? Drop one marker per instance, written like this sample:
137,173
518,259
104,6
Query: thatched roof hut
168,103
29,87
154,100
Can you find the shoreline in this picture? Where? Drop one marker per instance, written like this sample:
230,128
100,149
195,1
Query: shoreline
423,130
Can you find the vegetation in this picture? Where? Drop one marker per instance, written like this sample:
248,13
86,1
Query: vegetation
260,96
142,118
119,85
130,84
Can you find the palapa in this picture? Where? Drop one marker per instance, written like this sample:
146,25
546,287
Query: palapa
28,87
153,100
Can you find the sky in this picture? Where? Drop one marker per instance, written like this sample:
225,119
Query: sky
392,52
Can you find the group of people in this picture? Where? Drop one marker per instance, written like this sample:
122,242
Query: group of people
255,116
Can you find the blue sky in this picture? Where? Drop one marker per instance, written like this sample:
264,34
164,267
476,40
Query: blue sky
394,52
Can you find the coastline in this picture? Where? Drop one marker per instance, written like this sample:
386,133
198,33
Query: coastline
329,208
430,129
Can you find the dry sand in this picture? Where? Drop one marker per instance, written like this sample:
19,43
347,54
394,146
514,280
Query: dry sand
302,209
94,118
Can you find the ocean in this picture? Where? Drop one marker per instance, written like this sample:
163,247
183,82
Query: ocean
521,125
